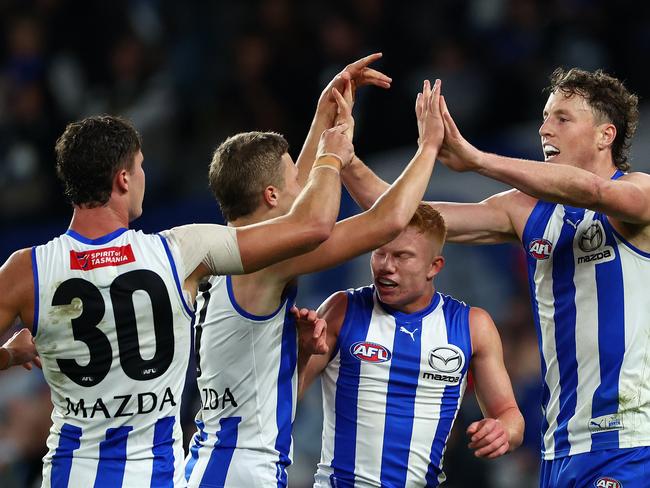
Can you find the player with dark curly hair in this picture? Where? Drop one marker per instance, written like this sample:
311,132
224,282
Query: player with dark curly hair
585,226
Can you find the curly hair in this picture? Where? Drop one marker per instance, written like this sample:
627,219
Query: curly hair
242,166
90,152
609,100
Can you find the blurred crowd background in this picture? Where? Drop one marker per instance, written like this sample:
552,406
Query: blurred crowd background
188,74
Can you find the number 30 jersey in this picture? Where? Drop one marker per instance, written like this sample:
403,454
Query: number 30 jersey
112,329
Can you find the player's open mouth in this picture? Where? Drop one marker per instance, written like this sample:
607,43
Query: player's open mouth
550,151
386,283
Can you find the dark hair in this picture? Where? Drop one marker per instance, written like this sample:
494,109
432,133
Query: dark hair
609,100
242,166
90,152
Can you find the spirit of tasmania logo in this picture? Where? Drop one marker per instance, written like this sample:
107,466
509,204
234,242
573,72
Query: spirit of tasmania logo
100,258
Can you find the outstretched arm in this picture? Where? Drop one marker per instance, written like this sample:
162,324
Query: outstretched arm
312,215
502,429
486,222
358,74
332,311
626,199
392,212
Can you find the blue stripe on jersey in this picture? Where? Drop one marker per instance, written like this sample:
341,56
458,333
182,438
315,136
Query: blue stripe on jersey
162,475
36,292
611,338
217,469
457,323
285,400
535,229
69,441
199,438
400,402
564,295
354,328
112,457
188,309
100,240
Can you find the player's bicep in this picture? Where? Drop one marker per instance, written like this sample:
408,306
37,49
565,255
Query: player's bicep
492,383
16,290
486,222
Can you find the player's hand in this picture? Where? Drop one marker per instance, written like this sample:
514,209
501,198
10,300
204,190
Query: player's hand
335,141
488,438
358,74
344,104
456,153
22,350
312,331
431,129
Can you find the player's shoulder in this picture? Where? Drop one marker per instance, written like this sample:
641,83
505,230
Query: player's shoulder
636,177
16,273
483,331
20,259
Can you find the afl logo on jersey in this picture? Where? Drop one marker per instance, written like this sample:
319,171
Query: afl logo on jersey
540,248
606,482
370,352
446,359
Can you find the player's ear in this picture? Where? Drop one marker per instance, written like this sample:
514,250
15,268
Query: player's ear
606,136
436,266
271,196
121,181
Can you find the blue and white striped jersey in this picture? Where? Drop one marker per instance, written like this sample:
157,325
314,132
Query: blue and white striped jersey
113,332
592,312
247,379
391,393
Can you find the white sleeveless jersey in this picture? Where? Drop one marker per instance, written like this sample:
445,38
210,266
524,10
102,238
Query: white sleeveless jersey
113,332
391,393
247,379
591,305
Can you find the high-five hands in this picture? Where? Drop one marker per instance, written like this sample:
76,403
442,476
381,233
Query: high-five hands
456,153
357,74
428,111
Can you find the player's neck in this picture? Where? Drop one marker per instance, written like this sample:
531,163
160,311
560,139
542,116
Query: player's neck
601,166
98,221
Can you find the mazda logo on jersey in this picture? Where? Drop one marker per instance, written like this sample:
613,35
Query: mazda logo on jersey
606,482
446,359
540,248
592,238
370,352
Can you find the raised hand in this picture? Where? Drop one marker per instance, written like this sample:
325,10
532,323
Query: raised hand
456,153
335,142
488,438
22,350
358,74
429,116
344,103
312,331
